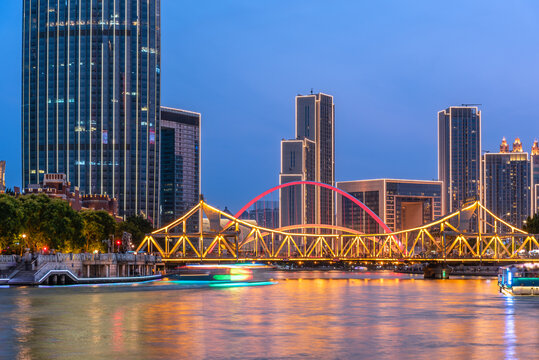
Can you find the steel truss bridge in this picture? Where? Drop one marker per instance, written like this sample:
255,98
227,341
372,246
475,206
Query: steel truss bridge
206,233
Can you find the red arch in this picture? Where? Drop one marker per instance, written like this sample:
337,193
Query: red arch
333,188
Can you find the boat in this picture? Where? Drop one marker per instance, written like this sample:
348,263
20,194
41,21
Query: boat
224,274
522,279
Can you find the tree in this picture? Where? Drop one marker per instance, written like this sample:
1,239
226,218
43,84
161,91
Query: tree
11,219
532,224
51,222
137,226
98,226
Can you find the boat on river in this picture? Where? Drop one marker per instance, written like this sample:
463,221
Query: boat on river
522,279
224,274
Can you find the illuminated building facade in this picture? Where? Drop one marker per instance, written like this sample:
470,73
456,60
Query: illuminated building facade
401,204
534,159
459,156
310,156
2,176
507,180
180,162
90,97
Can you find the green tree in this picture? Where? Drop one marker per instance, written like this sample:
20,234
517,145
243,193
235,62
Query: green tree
51,222
137,226
11,219
532,224
98,226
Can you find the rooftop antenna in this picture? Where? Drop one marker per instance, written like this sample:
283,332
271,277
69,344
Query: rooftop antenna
471,104
311,91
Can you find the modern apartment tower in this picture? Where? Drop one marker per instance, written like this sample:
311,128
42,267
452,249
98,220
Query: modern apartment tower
401,204
180,162
459,156
310,156
90,97
507,181
534,160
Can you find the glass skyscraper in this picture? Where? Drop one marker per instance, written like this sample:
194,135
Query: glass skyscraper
90,97
309,157
180,162
459,156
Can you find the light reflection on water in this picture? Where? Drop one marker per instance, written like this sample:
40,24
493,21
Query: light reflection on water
330,315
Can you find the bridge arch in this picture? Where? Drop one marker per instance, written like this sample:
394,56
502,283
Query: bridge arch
322,185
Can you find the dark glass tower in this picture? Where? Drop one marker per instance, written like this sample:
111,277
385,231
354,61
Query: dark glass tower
459,156
90,97
180,162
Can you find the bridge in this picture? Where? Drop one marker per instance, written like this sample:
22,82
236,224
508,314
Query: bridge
471,234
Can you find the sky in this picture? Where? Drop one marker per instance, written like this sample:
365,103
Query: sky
391,65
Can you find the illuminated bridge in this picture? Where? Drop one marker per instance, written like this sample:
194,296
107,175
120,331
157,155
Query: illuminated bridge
206,233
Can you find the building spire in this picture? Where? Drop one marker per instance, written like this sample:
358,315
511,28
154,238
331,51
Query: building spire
517,145
504,147
535,148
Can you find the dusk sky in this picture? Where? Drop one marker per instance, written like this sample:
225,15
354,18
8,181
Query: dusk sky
390,65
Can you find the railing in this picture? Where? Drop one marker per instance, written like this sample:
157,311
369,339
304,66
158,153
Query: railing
46,267
112,257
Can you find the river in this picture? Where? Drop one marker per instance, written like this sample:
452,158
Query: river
311,315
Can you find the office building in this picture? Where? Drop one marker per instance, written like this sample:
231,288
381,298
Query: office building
507,182
90,98
534,159
309,157
265,213
459,156
180,162
400,204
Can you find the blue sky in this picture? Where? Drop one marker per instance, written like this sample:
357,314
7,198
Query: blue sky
391,65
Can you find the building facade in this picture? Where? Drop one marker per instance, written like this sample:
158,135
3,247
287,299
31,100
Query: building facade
400,204
2,176
507,183
534,160
459,156
309,157
265,213
90,98
180,162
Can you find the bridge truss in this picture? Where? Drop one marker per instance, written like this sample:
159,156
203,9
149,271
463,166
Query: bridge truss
473,233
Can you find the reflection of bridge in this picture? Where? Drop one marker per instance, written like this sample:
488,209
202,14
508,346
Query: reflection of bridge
225,237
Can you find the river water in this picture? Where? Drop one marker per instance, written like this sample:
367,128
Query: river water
312,315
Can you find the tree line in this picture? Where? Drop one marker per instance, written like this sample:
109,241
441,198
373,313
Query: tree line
38,222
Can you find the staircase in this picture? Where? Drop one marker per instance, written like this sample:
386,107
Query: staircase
23,277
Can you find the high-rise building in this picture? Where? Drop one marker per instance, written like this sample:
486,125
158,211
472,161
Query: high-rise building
265,213
2,176
401,204
310,156
507,183
534,160
180,162
90,97
459,156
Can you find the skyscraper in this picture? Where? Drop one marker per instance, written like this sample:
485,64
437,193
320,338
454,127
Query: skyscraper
180,162
459,156
2,176
310,156
90,97
534,160
507,183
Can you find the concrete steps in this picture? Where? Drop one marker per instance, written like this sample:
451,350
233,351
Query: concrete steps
23,277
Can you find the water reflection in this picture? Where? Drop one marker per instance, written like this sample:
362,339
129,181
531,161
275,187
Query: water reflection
331,315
